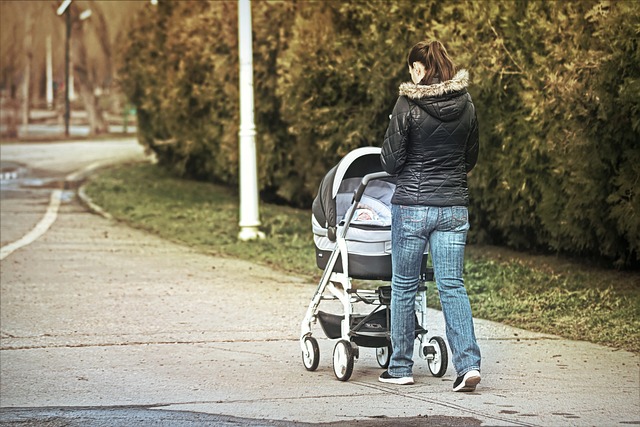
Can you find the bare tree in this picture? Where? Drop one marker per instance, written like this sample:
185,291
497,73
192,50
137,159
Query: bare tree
22,55
9,66
85,79
28,52
102,33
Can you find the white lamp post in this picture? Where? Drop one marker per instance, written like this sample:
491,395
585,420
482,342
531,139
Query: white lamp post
249,216
49,74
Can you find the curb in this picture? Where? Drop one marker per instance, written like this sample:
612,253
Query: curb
78,180
90,205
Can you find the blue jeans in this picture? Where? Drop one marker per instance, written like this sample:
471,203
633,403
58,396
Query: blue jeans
445,230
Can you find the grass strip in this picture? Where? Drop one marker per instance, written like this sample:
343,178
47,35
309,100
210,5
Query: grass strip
539,293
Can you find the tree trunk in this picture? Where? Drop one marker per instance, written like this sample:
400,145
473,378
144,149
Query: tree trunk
84,81
26,81
13,111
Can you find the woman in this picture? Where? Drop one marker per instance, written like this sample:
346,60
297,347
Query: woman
430,145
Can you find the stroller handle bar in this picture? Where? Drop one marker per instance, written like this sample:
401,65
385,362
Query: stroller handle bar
357,195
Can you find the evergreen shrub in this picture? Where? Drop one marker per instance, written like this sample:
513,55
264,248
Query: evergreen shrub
556,86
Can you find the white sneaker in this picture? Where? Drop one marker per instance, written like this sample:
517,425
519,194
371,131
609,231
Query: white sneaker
467,382
385,377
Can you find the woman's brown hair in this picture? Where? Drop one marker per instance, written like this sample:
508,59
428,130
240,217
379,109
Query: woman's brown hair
435,59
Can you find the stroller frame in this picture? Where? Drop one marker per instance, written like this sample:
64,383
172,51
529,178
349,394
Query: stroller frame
352,331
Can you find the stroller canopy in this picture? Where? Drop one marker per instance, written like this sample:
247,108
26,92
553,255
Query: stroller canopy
356,164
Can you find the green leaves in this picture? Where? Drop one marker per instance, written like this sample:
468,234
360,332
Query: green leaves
556,86
564,129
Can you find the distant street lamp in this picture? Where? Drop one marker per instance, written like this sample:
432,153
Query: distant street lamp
64,7
85,14
67,112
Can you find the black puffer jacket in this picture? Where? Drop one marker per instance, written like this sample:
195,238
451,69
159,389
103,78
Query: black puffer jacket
432,142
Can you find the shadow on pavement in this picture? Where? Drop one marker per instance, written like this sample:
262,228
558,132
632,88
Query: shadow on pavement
148,416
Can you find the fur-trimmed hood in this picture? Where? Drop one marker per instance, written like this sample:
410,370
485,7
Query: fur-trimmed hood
431,143
413,91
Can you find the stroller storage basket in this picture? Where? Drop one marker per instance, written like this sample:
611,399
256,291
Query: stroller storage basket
370,330
373,332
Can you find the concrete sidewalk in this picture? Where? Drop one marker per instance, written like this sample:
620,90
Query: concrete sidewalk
105,325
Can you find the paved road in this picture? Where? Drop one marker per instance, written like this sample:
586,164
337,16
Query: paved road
30,172
102,325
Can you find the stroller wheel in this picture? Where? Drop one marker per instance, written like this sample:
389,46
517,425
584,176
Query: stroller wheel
343,360
383,356
438,361
311,355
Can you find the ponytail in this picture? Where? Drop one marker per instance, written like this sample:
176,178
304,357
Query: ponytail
435,59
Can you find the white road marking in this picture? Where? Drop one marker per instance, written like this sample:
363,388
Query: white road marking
80,174
40,228
52,211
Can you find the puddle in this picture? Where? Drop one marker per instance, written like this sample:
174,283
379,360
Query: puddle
11,173
42,183
67,196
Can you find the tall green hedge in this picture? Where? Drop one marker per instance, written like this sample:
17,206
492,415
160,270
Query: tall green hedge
560,167
556,86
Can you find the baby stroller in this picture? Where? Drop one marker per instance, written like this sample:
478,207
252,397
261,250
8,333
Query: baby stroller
351,222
